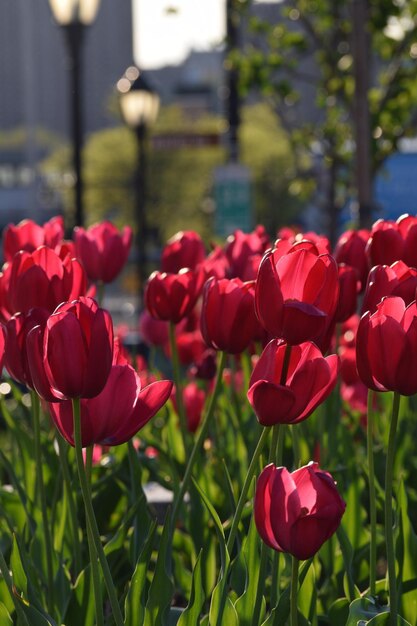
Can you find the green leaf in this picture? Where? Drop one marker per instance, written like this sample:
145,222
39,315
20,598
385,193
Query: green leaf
229,612
307,595
280,613
161,589
81,607
250,553
5,619
406,551
363,610
339,611
192,612
135,599
384,618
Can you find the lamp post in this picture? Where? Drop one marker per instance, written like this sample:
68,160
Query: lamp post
74,16
139,105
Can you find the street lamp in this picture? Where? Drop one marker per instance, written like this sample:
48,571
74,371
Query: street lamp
139,105
74,16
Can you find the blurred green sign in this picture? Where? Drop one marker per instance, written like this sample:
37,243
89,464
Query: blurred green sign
232,195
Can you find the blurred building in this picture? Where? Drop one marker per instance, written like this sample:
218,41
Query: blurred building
34,63
35,88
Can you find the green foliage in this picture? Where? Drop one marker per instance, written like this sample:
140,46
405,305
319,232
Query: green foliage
180,180
305,63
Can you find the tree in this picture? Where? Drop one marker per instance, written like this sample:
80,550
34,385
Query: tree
341,74
180,181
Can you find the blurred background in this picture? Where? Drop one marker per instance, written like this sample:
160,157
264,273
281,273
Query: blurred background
300,112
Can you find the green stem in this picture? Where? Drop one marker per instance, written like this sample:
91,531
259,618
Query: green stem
199,441
42,497
273,452
132,461
178,386
243,494
238,514
372,495
261,584
62,449
296,445
389,531
91,519
100,292
95,572
275,584
294,592
4,569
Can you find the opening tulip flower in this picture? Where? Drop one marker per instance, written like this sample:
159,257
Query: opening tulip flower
172,297
309,380
391,241
72,356
386,347
297,512
296,294
27,235
42,279
102,250
185,249
117,413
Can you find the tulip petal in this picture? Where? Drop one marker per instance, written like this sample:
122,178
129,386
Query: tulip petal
285,507
262,508
272,403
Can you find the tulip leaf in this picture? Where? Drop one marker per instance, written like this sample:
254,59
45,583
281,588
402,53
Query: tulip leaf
339,611
5,619
35,617
406,550
250,553
25,577
135,599
161,588
224,556
384,620
307,595
229,615
191,614
81,607
363,610
280,613
218,597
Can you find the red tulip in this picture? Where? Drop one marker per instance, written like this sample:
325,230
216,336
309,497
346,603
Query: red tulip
386,347
153,332
241,246
2,345
194,399
73,357
394,241
384,280
172,297
17,330
27,235
310,379
228,320
42,279
215,264
185,249
297,512
292,237
103,250
350,249
117,413
296,294
348,292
